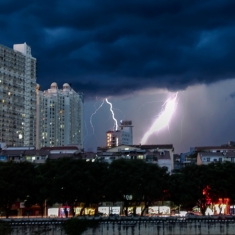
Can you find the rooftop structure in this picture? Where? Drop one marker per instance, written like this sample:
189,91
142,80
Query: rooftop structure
159,154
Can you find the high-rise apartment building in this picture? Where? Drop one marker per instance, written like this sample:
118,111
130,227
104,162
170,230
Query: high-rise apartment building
121,136
17,95
59,116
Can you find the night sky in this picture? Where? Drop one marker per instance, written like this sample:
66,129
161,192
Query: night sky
137,53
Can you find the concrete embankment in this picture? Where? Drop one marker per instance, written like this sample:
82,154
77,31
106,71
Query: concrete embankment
129,226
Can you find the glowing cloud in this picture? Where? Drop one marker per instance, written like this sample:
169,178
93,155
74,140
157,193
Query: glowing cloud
163,119
111,110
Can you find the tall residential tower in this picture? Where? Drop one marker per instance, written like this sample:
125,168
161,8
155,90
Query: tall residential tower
17,95
59,116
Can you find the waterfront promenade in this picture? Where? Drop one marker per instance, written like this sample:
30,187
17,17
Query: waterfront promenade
122,225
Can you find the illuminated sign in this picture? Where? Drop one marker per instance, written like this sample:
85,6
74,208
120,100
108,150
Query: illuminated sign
53,212
77,210
164,210
115,210
138,210
130,210
63,211
104,210
89,211
153,210
128,197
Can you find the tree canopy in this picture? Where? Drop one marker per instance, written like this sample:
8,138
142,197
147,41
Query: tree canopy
70,181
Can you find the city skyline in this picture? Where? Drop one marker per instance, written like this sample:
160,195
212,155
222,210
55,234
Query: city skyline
136,52
204,116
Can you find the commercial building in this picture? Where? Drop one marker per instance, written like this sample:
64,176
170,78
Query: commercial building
17,95
59,118
123,135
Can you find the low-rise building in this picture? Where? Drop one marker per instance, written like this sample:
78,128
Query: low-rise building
158,154
38,156
30,155
205,158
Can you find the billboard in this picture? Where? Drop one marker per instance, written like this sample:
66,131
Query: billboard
115,210
153,210
162,210
77,211
53,212
138,210
165,210
89,211
64,211
104,210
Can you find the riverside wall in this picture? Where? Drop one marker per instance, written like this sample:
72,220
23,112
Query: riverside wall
129,226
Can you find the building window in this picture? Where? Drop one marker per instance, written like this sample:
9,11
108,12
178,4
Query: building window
208,159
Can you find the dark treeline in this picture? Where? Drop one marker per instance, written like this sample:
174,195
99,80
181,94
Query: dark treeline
70,181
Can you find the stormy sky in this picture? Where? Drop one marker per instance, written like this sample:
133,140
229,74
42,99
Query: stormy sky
138,54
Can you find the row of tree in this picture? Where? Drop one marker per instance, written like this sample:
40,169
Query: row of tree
70,181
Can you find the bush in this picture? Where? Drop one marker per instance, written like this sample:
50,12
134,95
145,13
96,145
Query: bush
76,226
5,228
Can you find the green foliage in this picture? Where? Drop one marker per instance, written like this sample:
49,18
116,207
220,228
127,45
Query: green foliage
68,181
16,181
186,187
136,178
77,226
5,228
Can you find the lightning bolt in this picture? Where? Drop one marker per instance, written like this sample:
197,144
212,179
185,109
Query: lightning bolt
163,119
111,110
93,115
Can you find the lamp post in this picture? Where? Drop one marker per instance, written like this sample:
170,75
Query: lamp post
45,208
233,206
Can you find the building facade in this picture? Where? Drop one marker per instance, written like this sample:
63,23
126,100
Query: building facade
121,136
59,117
17,95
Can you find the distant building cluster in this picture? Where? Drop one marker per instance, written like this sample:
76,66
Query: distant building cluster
30,117
37,125
204,155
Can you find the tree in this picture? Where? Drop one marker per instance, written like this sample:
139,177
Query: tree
16,181
77,181
144,181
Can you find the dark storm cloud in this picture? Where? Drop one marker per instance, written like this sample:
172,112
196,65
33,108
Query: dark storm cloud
114,47
232,95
